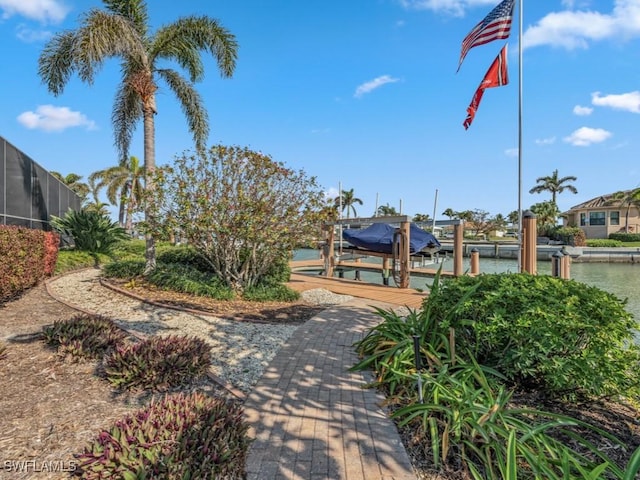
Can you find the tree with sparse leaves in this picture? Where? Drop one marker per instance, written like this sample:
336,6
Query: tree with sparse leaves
241,210
122,30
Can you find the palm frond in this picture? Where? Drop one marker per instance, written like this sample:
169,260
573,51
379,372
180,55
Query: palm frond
127,111
103,36
133,10
55,64
181,39
191,103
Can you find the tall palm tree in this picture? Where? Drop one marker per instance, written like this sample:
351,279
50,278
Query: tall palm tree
347,199
73,181
122,31
555,185
626,199
124,184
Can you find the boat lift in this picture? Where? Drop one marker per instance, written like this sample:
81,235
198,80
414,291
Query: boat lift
398,262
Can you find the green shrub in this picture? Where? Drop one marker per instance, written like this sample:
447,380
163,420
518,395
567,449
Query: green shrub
625,237
126,269
461,413
179,437
129,249
571,236
563,337
92,232
270,293
279,272
186,279
601,242
84,336
158,363
185,255
69,260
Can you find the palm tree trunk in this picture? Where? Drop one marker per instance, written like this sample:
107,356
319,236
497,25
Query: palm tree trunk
150,165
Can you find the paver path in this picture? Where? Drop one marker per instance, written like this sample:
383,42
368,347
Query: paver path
310,416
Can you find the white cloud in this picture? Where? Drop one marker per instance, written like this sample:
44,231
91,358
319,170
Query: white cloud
54,119
585,136
29,36
576,29
546,141
44,11
511,152
625,101
582,111
371,85
331,194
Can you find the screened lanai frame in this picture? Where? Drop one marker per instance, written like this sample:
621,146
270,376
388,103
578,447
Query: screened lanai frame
29,194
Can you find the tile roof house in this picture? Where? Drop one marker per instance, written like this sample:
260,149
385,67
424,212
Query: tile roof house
603,215
29,194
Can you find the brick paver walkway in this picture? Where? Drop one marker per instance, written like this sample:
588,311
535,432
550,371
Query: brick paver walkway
310,417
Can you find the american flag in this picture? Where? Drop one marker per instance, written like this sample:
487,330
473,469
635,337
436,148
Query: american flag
495,26
496,76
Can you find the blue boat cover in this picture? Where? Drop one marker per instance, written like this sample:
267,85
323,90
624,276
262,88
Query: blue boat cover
378,237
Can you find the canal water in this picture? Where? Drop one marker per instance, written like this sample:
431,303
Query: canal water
620,279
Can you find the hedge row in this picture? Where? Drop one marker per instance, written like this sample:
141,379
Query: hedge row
27,256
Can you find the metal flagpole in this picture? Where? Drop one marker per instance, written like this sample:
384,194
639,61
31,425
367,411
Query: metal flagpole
520,233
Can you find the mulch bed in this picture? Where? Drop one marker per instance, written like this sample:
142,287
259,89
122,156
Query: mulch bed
51,408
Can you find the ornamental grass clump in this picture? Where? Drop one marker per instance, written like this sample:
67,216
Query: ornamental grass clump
179,437
158,363
84,336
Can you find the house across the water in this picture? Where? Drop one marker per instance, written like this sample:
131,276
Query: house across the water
604,215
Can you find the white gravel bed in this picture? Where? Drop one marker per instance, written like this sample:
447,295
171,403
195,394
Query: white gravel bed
240,350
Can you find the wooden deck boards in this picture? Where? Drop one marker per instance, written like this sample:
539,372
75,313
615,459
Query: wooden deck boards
393,295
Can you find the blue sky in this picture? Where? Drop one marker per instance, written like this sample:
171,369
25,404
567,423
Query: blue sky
364,94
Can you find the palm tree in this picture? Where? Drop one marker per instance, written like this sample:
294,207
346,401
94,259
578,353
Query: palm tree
73,181
347,198
387,211
421,217
122,30
95,205
124,184
626,199
546,217
514,217
554,184
449,212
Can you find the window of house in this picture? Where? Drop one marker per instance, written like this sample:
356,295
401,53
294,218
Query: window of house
597,218
614,218
583,219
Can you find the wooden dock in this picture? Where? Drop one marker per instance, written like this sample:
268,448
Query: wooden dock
389,294
351,265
